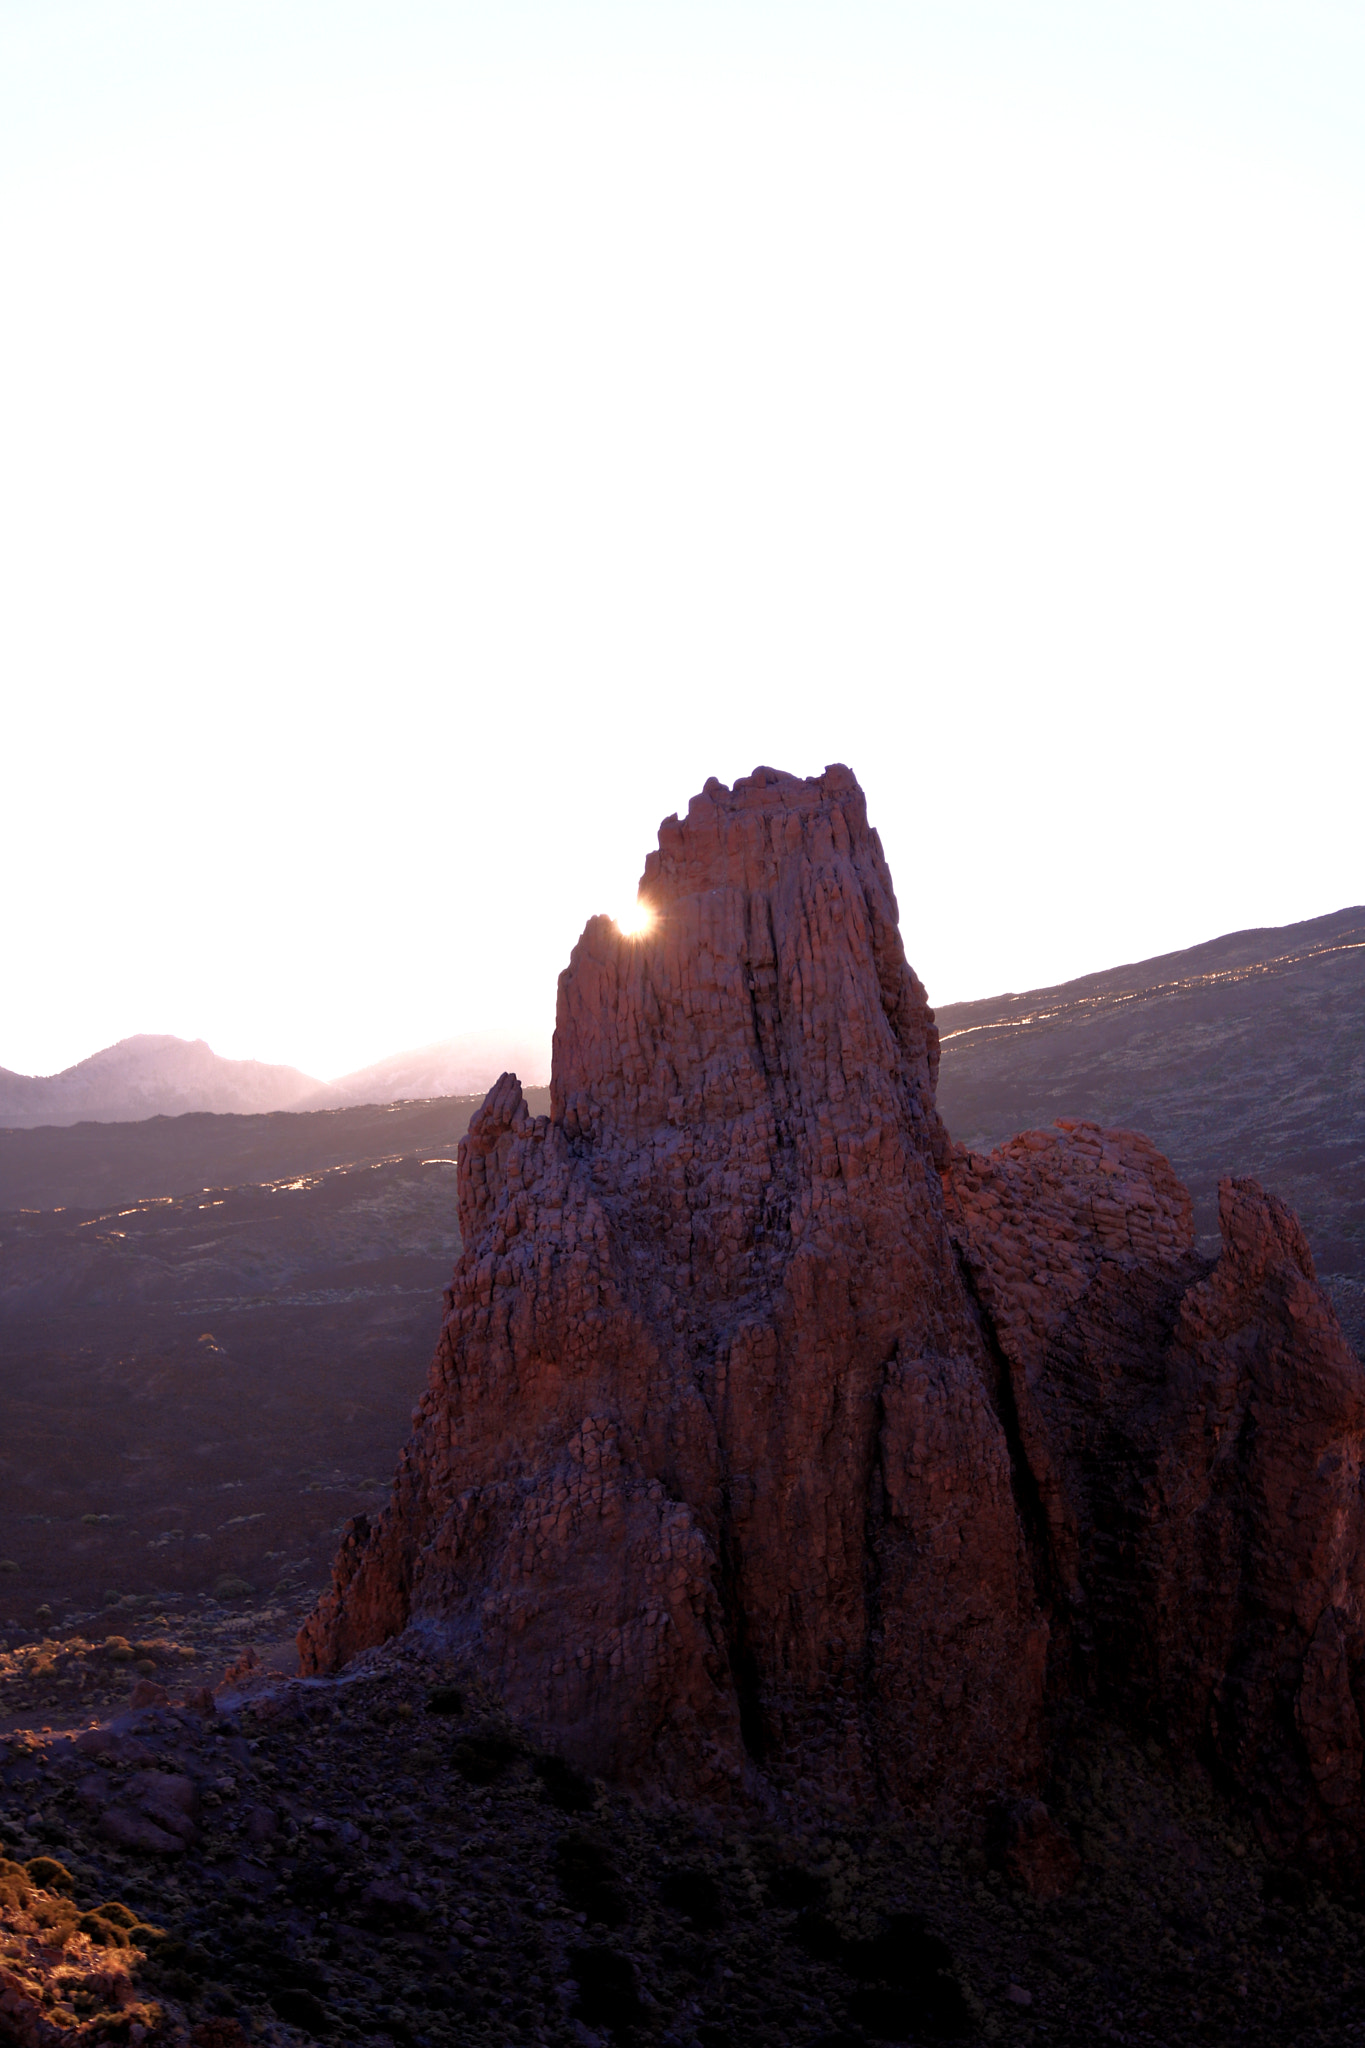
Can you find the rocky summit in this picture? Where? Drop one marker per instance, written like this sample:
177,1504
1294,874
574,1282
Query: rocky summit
776,1452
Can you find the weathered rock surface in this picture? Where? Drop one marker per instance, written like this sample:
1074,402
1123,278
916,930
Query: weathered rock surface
771,1444
1194,1432
709,1475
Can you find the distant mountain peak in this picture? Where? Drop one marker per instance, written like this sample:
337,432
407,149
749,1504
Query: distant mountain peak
149,1074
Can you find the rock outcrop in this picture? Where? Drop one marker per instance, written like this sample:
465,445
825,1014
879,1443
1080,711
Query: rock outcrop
773,1447
1194,1432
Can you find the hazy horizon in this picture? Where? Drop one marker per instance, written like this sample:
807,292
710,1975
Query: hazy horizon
532,1065
437,440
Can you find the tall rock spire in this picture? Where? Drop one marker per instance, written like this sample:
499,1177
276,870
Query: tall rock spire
709,1479
774,1446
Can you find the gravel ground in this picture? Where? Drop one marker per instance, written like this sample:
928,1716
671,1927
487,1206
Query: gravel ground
383,1859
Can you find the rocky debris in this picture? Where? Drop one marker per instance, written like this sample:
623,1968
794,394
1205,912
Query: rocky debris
74,1676
1035,1851
75,1669
773,1449
1193,1430
156,1812
708,1481
384,1859
244,1668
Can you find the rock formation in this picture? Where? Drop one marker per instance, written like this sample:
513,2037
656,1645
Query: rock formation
773,1447
1193,1430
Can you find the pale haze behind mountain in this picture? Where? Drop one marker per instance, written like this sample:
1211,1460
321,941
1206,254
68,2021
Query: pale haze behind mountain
453,1066
157,1075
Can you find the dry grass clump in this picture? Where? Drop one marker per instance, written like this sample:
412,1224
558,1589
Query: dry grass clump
14,1885
156,1650
66,1975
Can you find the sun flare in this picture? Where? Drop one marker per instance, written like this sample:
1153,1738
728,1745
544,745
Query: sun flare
635,922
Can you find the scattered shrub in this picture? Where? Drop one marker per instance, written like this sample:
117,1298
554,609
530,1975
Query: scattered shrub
908,1972
230,1587
589,1881
565,1788
57,1915
446,1699
696,1894
117,1913
1286,1887
300,2008
50,1874
118,1650
798,1889
819,1937
147,1666
886,2015
104,1933
8,1566
483,1758
607,1995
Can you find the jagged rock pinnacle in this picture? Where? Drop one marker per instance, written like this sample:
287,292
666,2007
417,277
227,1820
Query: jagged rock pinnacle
749,1463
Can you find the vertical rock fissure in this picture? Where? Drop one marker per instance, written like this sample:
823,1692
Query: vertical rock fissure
874,1524
1028,1499
744,1666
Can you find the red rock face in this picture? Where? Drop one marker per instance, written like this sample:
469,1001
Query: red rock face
709,1480
771,1446
1193,1431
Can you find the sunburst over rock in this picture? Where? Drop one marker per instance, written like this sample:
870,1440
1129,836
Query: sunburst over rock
772,1448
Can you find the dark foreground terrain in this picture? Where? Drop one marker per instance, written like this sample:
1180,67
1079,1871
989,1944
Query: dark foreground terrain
94,1165
383,1859
199,1383
1244,1056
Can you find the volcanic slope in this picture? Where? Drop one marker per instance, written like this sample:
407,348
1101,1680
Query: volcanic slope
209,1345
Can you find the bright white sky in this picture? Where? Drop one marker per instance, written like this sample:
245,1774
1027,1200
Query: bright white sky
434,439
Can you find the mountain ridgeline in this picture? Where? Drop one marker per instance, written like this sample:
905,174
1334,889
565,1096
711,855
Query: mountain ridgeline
156,1075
